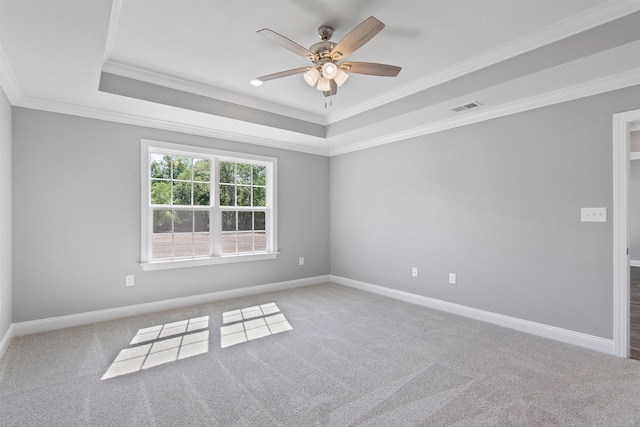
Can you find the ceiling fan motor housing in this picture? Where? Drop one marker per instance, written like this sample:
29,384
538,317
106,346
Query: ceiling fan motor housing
323,49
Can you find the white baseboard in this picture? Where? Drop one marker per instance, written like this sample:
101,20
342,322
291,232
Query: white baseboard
6,340
52,323
564,335
633,263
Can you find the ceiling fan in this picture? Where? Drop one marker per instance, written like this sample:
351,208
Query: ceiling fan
328,71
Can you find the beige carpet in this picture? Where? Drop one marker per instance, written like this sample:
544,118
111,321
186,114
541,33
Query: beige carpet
319,355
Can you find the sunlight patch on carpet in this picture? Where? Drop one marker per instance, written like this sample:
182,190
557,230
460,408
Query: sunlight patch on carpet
251,323
161,344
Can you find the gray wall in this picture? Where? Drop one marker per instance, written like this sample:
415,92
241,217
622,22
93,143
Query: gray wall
76,207
5,216
498,203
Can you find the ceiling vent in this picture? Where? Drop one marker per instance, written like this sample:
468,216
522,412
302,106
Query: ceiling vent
468,106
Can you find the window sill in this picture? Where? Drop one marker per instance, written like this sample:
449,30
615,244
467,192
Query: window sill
164,265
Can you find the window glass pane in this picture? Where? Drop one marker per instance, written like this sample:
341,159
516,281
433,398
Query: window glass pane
160,166
259,175
182,168
160,192
202,244
183,233
229,243
245,220
244,196
162,240
245,242
202,240
260,241
183,222
201,194
182,244
162,221
227,195
243,174
201,221
181,193
162,246
201,170
227,172
259,220
259,196
229,221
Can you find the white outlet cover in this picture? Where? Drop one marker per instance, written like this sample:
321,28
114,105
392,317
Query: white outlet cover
593,214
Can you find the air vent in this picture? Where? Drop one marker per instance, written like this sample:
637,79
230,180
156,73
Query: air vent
468,106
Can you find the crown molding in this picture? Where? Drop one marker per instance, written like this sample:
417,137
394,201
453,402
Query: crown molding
114,20
139,120
568,27
619,81
595,87
8,80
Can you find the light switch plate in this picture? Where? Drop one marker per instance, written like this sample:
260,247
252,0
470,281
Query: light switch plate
593,215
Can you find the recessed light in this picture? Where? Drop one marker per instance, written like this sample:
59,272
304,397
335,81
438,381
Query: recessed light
256,82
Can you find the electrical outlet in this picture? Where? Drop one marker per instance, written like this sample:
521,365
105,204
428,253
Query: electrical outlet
301,261
414,271
452,278
128,280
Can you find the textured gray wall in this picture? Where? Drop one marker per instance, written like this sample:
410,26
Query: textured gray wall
498,203
5,216
76,186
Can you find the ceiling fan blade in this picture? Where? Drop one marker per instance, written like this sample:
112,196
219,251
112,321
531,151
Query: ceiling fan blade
333,90
361,34
286,43
284,74
371,68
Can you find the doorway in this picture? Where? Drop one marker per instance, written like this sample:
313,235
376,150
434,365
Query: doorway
623,123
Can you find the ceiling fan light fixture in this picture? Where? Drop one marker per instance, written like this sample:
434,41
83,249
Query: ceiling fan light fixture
340,77
329,70
312,76
323,84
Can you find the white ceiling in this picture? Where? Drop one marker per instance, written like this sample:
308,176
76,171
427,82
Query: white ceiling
510,55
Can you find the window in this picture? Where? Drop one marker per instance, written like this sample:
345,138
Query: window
203,206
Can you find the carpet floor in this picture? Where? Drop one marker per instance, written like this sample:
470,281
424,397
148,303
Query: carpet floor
317,355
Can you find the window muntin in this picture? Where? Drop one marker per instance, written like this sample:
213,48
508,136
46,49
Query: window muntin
206,205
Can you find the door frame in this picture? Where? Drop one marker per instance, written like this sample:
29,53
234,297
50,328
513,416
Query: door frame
622,125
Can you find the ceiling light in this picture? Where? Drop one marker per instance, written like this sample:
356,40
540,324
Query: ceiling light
312,76
256,82
329,70
323,84
340,77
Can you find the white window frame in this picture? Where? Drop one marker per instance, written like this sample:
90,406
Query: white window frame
215,227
